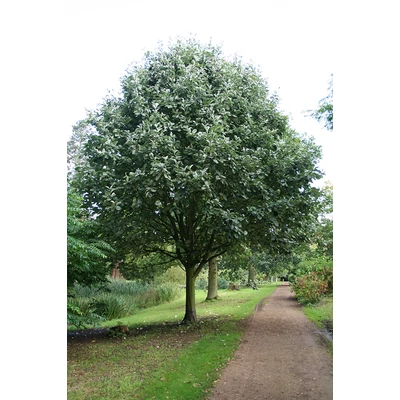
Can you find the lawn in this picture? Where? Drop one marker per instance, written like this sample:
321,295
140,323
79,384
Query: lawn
162,359
322,315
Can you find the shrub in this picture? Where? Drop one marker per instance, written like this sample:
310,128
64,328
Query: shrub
202,283
81,318
118,298
154,295
222,283
174,274
111,306
310,287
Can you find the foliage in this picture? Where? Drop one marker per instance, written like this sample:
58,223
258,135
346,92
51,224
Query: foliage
323,233
111,306
233,265
117,299
86,253
79,317
86,259
144,267
312,277
273,264
174,274
312,286
193,157
202,283
75,156
324,111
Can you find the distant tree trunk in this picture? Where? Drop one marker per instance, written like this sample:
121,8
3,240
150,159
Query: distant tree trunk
115,272
190,311
212,279
252,274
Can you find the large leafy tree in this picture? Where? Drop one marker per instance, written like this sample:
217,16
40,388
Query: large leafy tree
194,156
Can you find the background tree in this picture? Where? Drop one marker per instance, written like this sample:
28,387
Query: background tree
324,111
75,154
193,157
312,275
86,256
212,292
86,253
277,265
233,265
144,267
323,236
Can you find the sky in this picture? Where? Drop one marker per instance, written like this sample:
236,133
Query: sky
282,38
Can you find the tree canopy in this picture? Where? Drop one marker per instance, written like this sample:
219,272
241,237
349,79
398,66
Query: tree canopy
324,112
192,157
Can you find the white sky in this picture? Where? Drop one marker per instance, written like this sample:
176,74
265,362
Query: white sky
283,38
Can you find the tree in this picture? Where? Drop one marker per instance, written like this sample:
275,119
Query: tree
274,264
323,236
86,257
234,263
212,292
193,157
86,253
144,268
325,108
75,156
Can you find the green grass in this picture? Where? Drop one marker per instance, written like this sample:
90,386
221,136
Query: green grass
163,359
322,315
235,304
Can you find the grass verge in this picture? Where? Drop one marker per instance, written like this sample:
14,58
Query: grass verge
163,359
322,315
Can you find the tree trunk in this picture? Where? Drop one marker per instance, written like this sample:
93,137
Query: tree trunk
212,279
252,274
190,312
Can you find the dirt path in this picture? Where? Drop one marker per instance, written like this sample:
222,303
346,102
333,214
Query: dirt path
281,356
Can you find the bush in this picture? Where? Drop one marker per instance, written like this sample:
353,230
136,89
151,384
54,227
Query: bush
81,318
154,295
118,298
173,275
111,306
202,283
311,287
222,283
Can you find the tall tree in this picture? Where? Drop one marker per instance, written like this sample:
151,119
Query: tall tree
324,112
75,154
193,157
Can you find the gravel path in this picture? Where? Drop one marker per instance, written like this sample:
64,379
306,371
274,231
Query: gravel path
282,356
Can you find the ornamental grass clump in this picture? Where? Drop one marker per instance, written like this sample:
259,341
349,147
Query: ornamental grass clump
117,299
